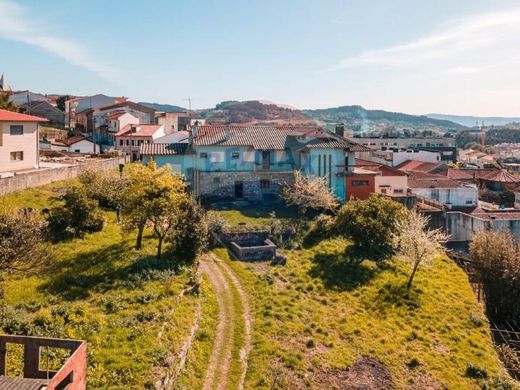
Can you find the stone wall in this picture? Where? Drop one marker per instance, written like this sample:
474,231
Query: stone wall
48,175
265,250
221,185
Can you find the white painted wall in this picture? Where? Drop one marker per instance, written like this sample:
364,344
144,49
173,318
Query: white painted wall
26,143
458,197
83,146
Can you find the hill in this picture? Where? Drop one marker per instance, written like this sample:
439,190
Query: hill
470,121
163,107
253,112
358,118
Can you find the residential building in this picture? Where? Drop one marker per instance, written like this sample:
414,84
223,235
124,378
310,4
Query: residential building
442,189
445,146
394,158
44,109
18,141
75,144
77,105
389,181
129,139
493,179
517,200
173,121
253,162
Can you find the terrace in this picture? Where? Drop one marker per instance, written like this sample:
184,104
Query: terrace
70,375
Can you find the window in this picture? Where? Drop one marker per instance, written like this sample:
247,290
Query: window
121,142
235,155
398,191
127,142
383,190
204,155
77,151
359,183
265,183
133,142
469,202
216,157
16,129
216,180
16,156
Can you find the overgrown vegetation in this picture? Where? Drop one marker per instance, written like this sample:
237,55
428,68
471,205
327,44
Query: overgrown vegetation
96,286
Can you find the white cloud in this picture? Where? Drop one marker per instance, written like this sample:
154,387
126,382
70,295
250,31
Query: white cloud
17,25
476,38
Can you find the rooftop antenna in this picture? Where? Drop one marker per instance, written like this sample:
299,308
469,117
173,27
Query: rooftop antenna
189,107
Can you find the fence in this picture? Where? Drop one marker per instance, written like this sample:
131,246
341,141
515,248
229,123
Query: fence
48,175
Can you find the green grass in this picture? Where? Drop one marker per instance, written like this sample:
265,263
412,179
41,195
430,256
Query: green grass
256,216
316,314
122,301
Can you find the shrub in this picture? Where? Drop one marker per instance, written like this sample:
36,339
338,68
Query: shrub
370,225
510,358
476,372
498,383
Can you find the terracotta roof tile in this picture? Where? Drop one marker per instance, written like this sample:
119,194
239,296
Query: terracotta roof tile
11,116
141,131
429,180
163,149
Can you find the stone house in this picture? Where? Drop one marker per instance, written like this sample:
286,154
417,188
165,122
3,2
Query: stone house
253,162
129,139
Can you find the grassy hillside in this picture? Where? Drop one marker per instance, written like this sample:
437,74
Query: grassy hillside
315,317
122,301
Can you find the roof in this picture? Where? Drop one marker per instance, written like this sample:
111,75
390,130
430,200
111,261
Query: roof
496,175
141,131
17,383
116,115
163,149
430,180
11,116
497,214
271,137
174,138
417,166
385,170
132,105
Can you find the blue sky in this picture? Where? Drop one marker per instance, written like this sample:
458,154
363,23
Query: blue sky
457,57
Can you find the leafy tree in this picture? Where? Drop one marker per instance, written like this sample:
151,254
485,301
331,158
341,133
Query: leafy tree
309,193
147,193
60,102
79,214
5,104
497,258
370,225
415,243
106,187
21,234
189,235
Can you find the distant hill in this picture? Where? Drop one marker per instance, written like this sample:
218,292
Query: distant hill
470,121
358,118
253,112
163,107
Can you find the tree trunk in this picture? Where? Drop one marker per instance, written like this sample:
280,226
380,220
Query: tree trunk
139,240
415,267
159,247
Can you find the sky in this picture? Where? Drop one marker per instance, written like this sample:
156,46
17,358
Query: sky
444,56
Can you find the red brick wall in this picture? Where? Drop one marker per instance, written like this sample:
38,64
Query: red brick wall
359,191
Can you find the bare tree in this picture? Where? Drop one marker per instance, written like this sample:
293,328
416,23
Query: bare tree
309,192
415,243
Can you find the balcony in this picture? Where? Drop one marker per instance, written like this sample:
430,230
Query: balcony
71,375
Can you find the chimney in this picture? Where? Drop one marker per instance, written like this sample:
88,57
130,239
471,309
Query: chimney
226,133
340,129
133,128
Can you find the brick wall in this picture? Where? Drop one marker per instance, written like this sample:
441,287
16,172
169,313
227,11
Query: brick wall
46,176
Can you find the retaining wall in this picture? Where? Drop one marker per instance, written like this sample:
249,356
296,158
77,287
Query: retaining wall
48,175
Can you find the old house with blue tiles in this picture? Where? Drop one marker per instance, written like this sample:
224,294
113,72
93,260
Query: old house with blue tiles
253,162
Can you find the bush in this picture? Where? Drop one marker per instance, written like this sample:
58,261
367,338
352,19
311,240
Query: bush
370,225
77,216
510,359
476,372
498,383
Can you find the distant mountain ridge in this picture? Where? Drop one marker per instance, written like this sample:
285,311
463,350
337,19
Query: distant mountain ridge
471,121
358,118
163,107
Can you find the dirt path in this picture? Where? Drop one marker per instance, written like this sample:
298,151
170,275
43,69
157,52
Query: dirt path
224,281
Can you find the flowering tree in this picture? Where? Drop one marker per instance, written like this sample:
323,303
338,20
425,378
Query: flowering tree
415,243
308,192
